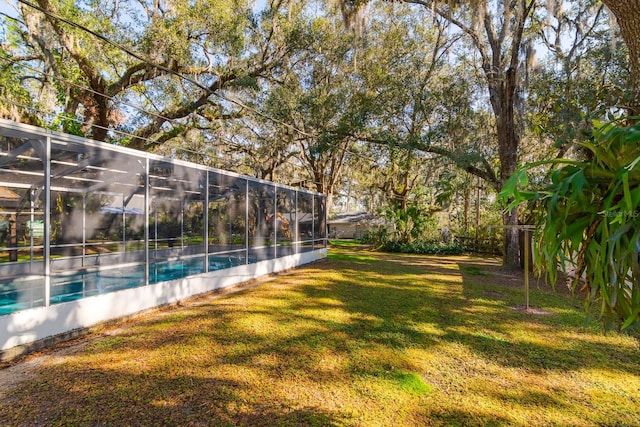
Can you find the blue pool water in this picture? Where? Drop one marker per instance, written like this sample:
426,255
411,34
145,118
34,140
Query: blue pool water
22,294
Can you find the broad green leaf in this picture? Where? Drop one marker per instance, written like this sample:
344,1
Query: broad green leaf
596,203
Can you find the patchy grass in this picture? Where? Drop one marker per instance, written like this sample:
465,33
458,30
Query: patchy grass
474,270
339,256
406,340
345,243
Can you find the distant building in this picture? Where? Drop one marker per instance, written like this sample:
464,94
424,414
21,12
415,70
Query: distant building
352,225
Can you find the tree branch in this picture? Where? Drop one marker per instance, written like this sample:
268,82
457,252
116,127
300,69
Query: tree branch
133,76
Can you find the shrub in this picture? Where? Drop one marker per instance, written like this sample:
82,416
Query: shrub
422,247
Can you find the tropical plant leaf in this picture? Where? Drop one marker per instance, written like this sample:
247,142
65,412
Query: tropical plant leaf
588,217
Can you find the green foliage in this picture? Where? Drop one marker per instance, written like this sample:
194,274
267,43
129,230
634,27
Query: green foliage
68,123
581,79
410,222
419,241
16,99
422,247
588,217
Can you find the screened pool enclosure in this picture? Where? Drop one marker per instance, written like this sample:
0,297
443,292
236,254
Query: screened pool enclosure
79,218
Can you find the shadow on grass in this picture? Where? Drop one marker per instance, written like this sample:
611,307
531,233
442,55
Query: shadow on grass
474,309
452,417
101,397
388,308
313,346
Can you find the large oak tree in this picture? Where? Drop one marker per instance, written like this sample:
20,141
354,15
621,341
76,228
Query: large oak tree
498,35
177,60
627,13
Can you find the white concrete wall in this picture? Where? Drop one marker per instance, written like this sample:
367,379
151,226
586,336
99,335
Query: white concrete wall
28,326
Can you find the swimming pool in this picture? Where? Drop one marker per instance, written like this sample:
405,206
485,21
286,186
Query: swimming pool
21,293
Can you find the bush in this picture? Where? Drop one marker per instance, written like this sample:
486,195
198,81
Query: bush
422,247
375,236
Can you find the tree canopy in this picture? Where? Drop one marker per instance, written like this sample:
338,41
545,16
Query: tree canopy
416,106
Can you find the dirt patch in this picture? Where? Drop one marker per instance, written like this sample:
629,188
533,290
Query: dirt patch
24,369
494,294
482,271
534,311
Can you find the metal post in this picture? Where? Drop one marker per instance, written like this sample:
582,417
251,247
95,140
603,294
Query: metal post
32,198
526,267
296,237
181,225
478,217
527,250
146,222
155,227
232,211
275,222
205,236
313,222
124,226
325,222
84,228
13,236
47,222
246,221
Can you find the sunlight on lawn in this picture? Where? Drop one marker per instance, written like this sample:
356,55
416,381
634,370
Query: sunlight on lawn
405,340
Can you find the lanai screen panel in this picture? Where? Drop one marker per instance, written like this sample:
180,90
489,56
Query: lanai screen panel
177,192
80,218
93,199
319,221
22,172
285,222
227,221
261,220
305,218
177,220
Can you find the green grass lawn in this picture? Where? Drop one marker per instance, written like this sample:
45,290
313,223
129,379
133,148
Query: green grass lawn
362,339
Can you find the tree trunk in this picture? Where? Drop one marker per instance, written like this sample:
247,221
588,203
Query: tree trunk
329,202
98,118
467,203
502,94
627,13
511,253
